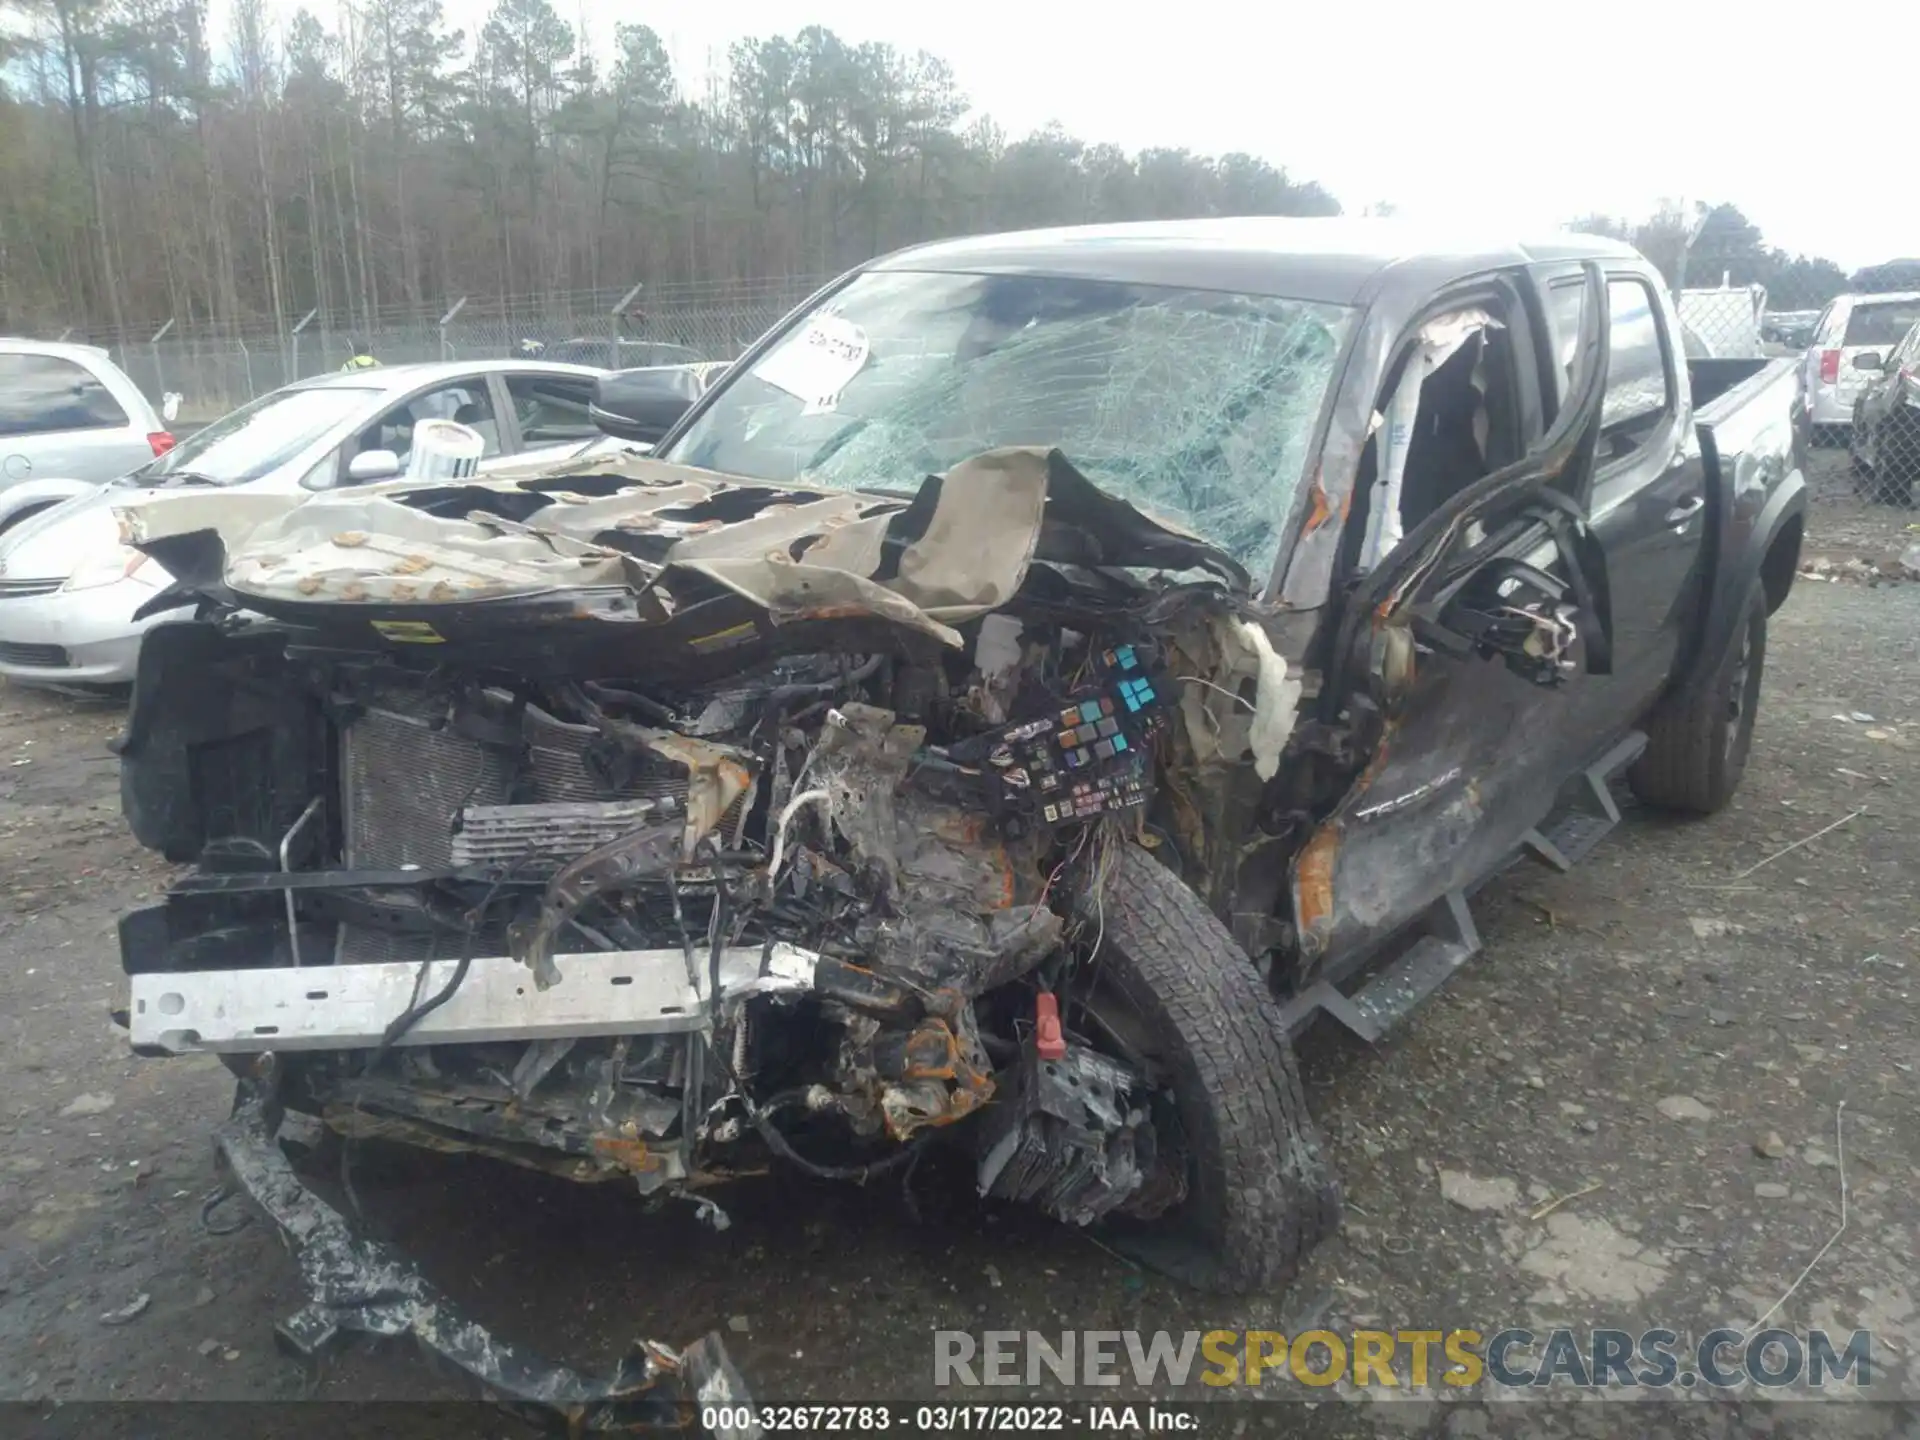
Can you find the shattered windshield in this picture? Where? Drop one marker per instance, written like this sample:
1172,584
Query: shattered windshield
1195,405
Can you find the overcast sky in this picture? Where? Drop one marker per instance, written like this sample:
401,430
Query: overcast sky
1523,112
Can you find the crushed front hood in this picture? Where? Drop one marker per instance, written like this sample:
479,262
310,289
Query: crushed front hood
630,539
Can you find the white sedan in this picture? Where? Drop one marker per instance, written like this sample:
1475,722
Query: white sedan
69,586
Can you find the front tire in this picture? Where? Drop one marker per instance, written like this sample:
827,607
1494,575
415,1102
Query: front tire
1697,751
1260,1194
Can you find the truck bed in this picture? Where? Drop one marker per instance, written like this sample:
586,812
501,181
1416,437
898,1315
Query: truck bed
1743,411
1721,386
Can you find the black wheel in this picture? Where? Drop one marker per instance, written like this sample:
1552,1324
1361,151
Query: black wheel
1259,1193
1697,746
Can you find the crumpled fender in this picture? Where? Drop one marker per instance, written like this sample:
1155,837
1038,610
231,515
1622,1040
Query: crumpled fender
1736,568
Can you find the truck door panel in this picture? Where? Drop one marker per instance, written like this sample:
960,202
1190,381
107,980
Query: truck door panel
1471,749
1648,504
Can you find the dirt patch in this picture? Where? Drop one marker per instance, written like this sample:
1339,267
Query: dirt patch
1850,538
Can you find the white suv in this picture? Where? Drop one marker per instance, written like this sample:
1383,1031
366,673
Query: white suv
67,413
1849,327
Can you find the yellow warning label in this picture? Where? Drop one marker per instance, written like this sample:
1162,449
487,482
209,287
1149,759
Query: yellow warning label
726,639
409,632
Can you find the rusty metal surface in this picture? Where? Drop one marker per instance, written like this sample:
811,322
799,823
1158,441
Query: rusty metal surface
361,1286
960,547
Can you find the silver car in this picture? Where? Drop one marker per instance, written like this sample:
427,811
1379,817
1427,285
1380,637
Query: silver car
1850,326
69,586
69,417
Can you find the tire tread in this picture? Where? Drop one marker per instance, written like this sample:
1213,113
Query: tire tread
1684,766
1266,1193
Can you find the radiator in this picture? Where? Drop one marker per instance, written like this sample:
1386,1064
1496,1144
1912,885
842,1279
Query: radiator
405,778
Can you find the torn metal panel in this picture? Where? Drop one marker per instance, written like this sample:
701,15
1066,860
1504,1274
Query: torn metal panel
717,775
647,853
377,549
357,1285
861,758
585,1129
793,591
963,546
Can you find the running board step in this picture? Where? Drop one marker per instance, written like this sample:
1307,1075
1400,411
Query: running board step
1575,827
1397,989
1445,936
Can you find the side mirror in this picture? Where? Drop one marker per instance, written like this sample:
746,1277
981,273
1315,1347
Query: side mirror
371,465
1872,360
1510,609
644,404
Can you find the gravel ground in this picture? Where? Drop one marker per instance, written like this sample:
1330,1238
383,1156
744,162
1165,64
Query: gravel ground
1632,1037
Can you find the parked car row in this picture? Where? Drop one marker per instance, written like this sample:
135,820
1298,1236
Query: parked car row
1791,328
1832,378
1884,436
77,439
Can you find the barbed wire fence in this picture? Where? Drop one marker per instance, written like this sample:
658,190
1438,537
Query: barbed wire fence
214,368
1856,408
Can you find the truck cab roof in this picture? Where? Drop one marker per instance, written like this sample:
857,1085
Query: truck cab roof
1337,261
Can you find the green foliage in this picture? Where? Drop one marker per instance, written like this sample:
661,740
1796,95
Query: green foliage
154,170
1892,275
1724,246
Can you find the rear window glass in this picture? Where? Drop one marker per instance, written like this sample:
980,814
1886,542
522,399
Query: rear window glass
41,394
1638,391
1883,324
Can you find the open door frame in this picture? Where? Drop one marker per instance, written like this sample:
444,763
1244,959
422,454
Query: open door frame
1554,476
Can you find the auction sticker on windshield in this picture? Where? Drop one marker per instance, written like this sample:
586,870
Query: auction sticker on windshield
815,363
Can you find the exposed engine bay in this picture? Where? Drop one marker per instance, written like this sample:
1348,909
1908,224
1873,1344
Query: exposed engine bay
809,896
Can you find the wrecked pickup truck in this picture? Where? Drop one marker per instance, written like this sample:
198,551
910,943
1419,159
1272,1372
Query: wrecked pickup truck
1044,672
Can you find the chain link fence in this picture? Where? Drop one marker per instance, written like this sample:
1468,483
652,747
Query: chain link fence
1857,363
1857,408
214,369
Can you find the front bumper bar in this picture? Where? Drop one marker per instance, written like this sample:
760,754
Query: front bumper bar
360,1285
